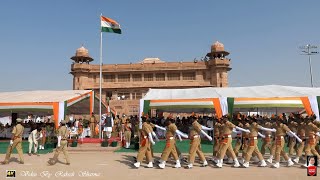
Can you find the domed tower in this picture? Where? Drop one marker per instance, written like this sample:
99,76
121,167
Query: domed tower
219,65
217,51
80,68
82,56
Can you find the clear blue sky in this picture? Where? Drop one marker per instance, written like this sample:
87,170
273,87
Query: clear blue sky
37,38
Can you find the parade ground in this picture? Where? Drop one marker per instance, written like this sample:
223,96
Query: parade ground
113,165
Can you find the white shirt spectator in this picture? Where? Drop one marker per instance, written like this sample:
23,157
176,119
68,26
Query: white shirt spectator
210,124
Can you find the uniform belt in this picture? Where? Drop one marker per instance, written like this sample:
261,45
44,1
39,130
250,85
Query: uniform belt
145,137
281,137
255,137
227,136
63,139
170,138
195,136
269,135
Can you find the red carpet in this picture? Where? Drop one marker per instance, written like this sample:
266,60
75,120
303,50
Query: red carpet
97,140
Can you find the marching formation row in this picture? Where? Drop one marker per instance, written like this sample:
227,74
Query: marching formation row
303,136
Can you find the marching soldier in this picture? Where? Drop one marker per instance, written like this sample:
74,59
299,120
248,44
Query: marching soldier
301,132
216,143
292,125
245,138
266,142
151,127
311,132
127,133
15,142
145,140
237,147
62,136
317,123
226,142
170,147
254,128
195,144
273,141
281,130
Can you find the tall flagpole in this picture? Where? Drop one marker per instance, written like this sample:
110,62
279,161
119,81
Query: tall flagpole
100,83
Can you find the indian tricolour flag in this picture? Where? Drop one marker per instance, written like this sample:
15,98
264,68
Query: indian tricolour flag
110,25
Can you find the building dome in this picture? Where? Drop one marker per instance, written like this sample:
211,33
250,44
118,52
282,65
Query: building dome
217,46
151,61
82,55
83,52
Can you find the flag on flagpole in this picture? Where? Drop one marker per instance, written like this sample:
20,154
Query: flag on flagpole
110,25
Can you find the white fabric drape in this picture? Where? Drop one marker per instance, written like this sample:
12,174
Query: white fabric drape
224,105
314,105
140,113
61,111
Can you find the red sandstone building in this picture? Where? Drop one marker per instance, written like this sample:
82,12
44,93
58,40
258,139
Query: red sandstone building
125,84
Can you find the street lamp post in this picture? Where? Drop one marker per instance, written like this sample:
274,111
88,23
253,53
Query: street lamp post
309,50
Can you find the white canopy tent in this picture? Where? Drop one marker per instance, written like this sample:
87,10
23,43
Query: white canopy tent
55,101
225,99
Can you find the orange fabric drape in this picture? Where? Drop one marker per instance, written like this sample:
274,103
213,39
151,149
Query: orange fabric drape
56,114
91,102
217,107
307,105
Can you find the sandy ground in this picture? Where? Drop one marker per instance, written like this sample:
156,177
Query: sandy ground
112,166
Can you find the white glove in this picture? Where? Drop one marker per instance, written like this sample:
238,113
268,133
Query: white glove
267,129
155,136
206,128
318,134
160,127
11,142
59,139
261,135
151,139
204,133
294,135
182,134
241,129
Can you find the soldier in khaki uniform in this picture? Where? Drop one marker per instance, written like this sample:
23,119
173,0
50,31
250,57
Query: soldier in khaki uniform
301,132
216,136
237,147
293,126
195,144
127,133
317,123
266,142
62,136
15,142
170,147
254,128
92,125
311,132
245,138
273,141
226,142
145,140
281,130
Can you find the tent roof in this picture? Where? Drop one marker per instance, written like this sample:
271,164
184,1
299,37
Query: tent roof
40,96
267,91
